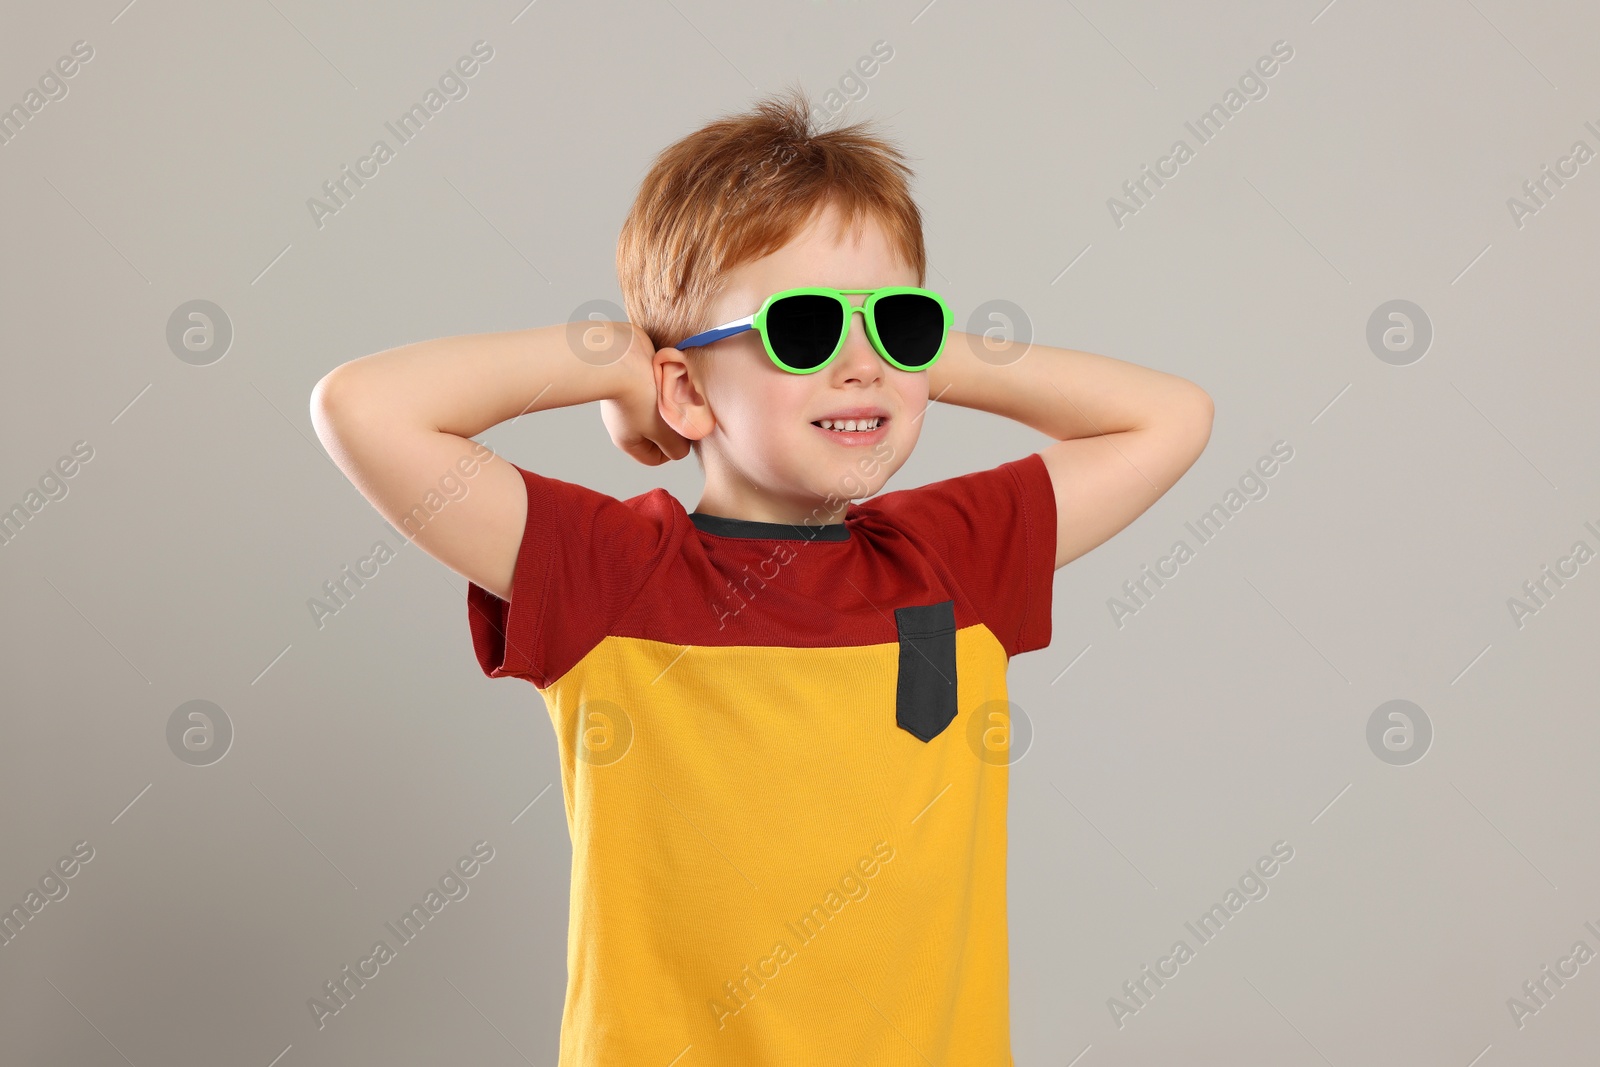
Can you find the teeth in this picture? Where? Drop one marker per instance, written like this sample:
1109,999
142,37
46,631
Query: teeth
849,424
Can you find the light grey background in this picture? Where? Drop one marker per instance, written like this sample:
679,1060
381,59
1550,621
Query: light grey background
1170,753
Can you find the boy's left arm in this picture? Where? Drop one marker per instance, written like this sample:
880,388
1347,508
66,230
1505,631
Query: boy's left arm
1125,433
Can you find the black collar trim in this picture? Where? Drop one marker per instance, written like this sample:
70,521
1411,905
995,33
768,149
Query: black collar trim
722,526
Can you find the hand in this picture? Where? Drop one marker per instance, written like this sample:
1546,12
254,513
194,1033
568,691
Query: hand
634,418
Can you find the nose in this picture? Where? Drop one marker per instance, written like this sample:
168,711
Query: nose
859,361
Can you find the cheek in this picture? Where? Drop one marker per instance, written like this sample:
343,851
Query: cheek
913,390
757,401
914,402
784,399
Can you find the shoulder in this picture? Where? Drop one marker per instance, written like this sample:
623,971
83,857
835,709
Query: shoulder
558,508
974,503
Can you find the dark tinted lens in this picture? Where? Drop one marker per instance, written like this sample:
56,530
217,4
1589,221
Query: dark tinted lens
804,330
911,327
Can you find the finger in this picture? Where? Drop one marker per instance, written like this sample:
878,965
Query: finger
673,446
646,452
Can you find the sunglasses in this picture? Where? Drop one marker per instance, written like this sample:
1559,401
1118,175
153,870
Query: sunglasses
804,329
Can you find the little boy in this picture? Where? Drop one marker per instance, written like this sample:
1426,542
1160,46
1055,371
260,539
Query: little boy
781,717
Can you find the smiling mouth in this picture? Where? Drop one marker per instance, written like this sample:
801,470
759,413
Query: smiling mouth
850,425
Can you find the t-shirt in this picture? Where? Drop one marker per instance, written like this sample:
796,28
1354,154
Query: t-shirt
784,757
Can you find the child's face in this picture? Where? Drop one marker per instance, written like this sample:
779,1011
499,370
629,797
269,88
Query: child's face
762,449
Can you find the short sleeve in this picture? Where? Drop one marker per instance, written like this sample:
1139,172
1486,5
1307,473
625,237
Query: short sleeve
583,559
995,531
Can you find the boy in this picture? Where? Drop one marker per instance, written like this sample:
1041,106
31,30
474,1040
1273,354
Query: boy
781,717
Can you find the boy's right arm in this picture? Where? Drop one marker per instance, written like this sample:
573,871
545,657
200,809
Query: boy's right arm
397,422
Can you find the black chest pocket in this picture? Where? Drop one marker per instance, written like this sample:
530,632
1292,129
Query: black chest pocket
925,692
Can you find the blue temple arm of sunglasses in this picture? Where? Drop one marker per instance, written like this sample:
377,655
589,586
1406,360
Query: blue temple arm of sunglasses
727,329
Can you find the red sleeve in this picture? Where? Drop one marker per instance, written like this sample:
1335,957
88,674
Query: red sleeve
584,558
995,531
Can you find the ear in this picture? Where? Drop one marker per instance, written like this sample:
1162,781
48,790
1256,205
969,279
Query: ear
678,396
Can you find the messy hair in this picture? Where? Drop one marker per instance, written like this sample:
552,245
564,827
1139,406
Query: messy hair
740,188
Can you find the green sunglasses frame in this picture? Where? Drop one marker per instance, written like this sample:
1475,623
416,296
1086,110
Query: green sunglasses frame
758,323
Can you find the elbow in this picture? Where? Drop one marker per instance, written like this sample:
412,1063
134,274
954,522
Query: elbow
1200,410
332,401
1189,418
323,398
